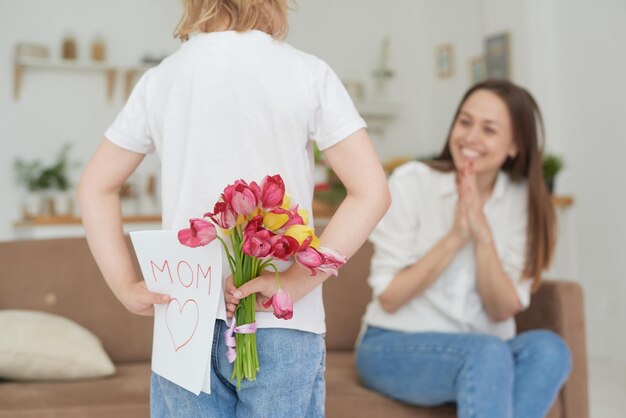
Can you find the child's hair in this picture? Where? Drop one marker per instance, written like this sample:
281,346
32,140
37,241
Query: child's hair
527,129
240,15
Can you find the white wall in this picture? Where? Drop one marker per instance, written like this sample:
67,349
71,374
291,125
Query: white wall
569,53
348,34
59,106
590,41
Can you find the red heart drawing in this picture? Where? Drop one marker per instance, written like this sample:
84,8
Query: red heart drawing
183,324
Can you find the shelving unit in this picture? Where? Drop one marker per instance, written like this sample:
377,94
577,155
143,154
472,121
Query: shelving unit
377,115
22,64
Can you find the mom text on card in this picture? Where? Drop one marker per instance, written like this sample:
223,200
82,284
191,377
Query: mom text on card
185,274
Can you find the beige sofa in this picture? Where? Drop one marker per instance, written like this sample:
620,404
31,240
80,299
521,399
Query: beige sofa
60,276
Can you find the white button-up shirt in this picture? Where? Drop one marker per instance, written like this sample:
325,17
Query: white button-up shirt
422,213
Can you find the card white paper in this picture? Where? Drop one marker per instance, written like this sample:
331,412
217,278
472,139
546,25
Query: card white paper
183,328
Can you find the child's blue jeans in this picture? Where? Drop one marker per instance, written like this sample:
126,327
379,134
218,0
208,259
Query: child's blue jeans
485,376
290,383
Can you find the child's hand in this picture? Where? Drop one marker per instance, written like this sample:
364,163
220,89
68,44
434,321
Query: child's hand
264,286
139,300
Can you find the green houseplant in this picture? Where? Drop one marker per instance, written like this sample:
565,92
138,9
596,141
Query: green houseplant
46,186
552,164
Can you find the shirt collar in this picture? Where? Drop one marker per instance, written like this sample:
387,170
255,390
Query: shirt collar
228,35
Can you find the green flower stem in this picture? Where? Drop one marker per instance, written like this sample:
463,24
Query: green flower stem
244,268
275,271
231,261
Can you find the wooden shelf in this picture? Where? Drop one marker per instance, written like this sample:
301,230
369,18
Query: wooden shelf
563,201
29,63
75,220
24,63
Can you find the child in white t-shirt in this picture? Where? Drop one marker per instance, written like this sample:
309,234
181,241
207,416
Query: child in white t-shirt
235,101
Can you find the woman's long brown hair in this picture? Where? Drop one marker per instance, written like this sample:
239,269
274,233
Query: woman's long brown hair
527,126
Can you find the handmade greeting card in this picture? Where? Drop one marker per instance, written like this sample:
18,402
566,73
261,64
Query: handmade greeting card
183,328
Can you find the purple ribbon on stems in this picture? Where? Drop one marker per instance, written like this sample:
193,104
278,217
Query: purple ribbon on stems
229,337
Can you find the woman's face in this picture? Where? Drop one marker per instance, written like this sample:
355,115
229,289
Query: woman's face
482,133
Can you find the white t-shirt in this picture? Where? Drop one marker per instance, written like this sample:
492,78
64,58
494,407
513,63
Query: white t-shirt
421,213
231,105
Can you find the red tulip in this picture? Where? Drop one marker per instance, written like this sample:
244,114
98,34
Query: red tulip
254,225
199,233
272,191
257,244
223,215
283,246
281,303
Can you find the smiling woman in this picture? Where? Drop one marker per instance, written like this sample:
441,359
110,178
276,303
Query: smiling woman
466,238
499,127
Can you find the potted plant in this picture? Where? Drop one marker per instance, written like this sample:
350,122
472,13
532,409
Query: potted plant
552,164
46,186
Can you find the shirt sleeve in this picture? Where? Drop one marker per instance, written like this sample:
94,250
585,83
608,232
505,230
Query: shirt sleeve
395,235
336,117
513,256
130,130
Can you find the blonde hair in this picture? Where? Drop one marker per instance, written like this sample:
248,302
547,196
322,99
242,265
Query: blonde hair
240,15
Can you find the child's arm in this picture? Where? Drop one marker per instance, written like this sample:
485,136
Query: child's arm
98,195
355,162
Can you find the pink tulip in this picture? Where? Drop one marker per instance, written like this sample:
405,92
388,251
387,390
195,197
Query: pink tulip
323,260
281,303
243,198
244,201
283,246
272,191
257,244
229,191
256,190
199,233
223,215
310,258
332,261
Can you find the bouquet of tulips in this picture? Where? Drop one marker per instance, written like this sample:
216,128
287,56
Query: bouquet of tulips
262,227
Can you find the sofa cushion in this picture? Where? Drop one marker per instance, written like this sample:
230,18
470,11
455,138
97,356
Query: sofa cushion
346,397
126,394
43,346
60,276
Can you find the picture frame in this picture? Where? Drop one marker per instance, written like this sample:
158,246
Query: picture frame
444,59
477,69
498,56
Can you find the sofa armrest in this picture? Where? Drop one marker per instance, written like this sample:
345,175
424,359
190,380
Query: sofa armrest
558,306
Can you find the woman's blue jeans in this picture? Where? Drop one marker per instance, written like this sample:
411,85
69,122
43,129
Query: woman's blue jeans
485,376
290,383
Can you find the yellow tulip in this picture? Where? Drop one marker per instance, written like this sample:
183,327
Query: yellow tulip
274,221
286,201
300,232
304,214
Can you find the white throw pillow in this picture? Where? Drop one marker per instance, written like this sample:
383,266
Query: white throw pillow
42,346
